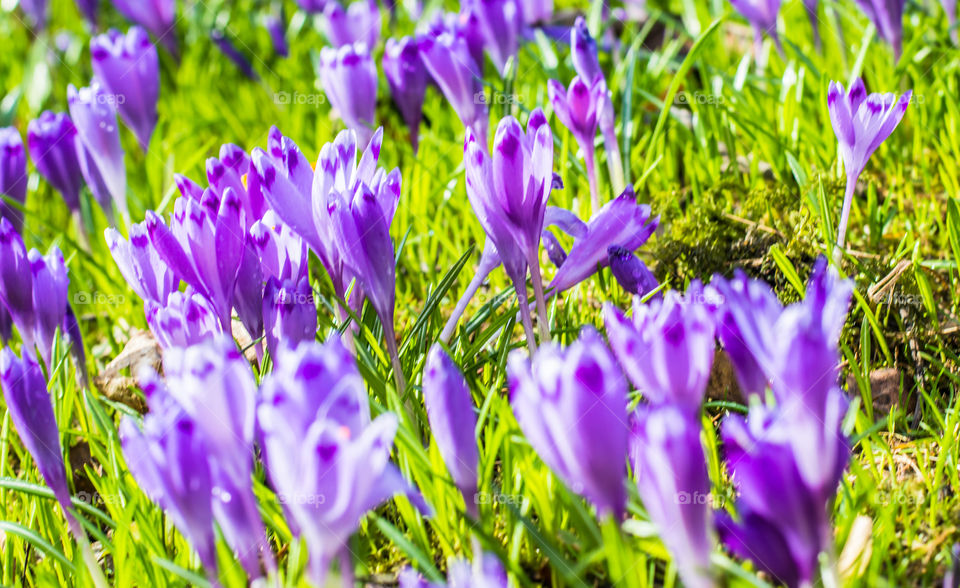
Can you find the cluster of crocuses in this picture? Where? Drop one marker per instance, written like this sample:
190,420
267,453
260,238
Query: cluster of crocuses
84,146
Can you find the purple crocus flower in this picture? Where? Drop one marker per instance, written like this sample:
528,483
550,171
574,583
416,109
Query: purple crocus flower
349,79
213,383
762,16
485,572
157,16
169,460
359,23
204,244
673,482
37,12
667,347
141,265
861,124
282,253
950,7
536,11
128,68
90,9
571,405
783,522
579,108
51,142
499,24
13,174
508,192
28,403
50,281
186,319
228,171
16,281
452,421
451,65
407,77
329,463
583,52
226,46
312,6
289,313
630,271
621,222
95,118
887,16
277,28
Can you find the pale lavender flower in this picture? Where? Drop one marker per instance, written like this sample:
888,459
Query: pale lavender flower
762,16
329,463
536,11
186,319
37,12
50,139
359,23
499,24
485,572
407,77
282,253
452,421
157,16
673,483
128,68
579,109
571,405
141,265
349,79
861,123
13,175
583,52
667,347
950,7
451,65
289,313
95,118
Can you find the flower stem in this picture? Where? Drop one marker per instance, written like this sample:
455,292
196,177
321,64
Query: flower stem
614,160
543,318
590,160
487,263
391,337
521,289
845,213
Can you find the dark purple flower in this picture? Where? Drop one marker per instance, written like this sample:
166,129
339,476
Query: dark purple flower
74,338
621,222
28,403
762,16
579,109
407,77
13,175
51,141
141,265
204,245
289,313
583,51
452,421
186,319
359,23
861,124
349,79
95,117
313,5
328,462
451,65
499,24
673,483
572,407
508,192
157,16
90,9
50,281
213,383
277,28
169,460
16,281
887,16
226,46
667,347
631,272
128,68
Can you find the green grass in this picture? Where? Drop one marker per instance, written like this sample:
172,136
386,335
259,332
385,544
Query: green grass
743,171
